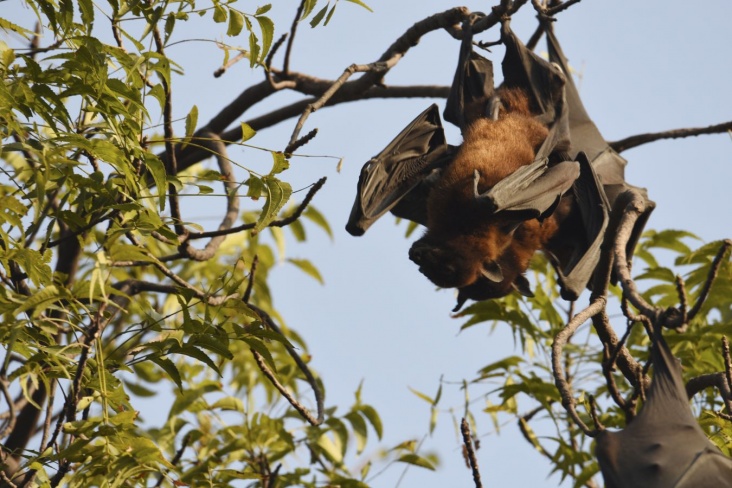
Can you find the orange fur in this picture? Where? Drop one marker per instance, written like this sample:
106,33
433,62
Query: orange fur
460,237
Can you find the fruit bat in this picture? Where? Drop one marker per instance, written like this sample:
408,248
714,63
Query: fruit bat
663,446
568,184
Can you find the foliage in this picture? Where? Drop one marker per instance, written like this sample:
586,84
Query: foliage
110,308
523,388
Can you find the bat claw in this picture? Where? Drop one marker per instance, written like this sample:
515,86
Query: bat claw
476,180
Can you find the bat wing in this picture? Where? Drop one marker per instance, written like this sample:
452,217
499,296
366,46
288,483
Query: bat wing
532,191
664,445
544,84
473,82
392,174
585,137
711,469
580,251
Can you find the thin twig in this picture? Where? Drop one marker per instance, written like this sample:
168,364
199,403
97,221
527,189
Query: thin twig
633,210
176,458
172,163
472,460
317,392
283,390
551,11
10,424
637,140
222,69
232,199
291,148
276,223
293,30
727,371
716,263
250,283
560,340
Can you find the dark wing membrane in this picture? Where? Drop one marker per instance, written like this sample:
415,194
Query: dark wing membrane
664,445
711,469
396,170
473,82
585,137
532,191
576,251
544,85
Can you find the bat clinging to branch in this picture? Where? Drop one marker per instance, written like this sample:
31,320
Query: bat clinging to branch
532,173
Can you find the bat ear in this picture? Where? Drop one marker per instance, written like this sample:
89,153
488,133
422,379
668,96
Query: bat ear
492,271
521,285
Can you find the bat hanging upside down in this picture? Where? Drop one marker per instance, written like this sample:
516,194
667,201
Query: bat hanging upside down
463,242
533,173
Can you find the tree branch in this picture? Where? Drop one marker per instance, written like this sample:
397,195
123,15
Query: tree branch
640,139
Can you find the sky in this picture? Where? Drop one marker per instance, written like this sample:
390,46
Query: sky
644,67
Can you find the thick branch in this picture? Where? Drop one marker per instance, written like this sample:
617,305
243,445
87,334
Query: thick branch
711,380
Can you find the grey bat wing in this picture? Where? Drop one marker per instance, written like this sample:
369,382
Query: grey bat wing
609,168
663,446
403,165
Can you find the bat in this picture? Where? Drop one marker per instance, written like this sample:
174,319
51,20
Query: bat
555,196
663,446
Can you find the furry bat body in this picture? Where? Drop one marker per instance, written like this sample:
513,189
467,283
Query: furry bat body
532,173
464,242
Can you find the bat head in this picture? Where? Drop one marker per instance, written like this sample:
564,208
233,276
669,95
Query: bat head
486,289
452,265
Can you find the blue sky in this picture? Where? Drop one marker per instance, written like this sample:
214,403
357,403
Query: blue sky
644,67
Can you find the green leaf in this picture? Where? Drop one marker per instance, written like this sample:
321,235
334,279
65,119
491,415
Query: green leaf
319,16
236,23
219,14
229,403
373,417
191,121
359,2
195,353
170,368
9,26
503,365
416,461
314,215
247,132
267,27
308,268
253,49
421,395
308,7
278,193
329,448
86,8
255,187
169,26
330,14
40,299
263,9
359,429
127,252
280,163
